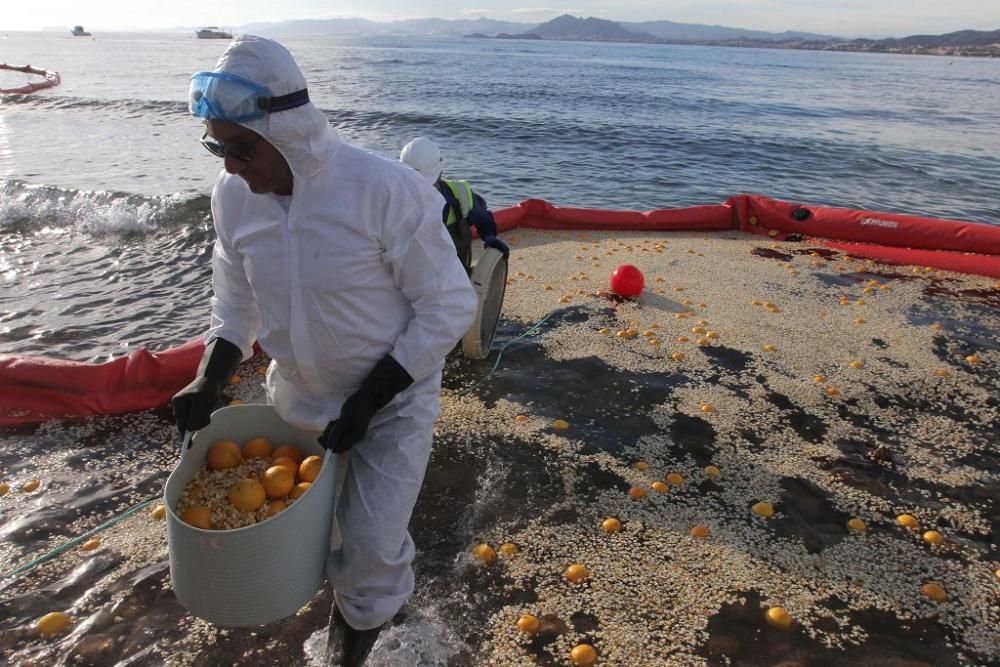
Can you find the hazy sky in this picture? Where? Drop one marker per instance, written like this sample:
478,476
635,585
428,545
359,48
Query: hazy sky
838,17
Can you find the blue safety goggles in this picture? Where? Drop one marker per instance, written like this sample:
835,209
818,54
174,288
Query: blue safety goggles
234,99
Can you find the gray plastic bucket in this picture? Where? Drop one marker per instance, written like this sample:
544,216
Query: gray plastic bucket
489,277
260,573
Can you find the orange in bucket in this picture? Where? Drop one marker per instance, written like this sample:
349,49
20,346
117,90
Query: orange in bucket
198,516
276,506
278,481
290,451
224,454
286,462
309,469
299,489
257,448
247,495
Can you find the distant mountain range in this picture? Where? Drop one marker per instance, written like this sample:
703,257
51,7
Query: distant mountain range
686,32
563,27
571,28
960,38
454,27
962,43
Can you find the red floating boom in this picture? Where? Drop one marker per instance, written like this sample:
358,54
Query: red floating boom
34,389
49,80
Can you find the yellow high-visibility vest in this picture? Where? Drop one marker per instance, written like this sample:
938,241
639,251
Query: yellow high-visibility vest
463,193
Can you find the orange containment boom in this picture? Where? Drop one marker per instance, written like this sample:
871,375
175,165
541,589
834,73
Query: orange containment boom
893,238
49,79
540,214
34,389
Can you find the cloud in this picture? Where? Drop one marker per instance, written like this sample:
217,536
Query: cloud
474,12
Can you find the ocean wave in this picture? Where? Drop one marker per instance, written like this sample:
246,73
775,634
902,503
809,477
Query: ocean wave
26,207
120,106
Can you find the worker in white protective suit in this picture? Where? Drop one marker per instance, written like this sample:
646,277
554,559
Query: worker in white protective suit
336,261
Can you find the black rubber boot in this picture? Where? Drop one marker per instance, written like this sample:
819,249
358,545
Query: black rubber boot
345,646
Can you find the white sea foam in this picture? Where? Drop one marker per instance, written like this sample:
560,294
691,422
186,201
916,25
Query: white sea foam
96,213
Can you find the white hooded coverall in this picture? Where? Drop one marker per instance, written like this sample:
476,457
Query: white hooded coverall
360,266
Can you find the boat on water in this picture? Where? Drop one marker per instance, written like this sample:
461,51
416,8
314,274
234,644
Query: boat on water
213,32
78,31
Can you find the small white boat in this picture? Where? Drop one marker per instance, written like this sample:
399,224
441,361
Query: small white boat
213,32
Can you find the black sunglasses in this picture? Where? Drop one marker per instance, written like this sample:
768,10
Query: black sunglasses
241,150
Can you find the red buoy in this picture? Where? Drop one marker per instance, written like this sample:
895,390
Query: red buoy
627,281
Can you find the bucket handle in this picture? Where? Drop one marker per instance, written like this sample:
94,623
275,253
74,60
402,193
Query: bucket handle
186,443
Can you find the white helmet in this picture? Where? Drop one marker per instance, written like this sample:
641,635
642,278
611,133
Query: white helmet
424,156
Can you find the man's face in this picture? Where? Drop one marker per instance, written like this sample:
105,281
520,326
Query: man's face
251,157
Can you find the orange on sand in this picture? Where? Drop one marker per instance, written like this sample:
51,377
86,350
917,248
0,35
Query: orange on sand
52,623
278,481
276,506
779,618
291,451
935,592
224,454
309,469
933,537
198,516
257,448
583,655
247,495
299,489
576,572
529,624
485,553
700,531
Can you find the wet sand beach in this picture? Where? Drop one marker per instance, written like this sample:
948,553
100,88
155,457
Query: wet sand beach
833,389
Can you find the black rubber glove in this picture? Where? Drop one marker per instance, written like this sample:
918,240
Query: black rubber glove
494,242
386,380
194,404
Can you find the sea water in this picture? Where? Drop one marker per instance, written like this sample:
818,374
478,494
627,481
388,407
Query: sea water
104,216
